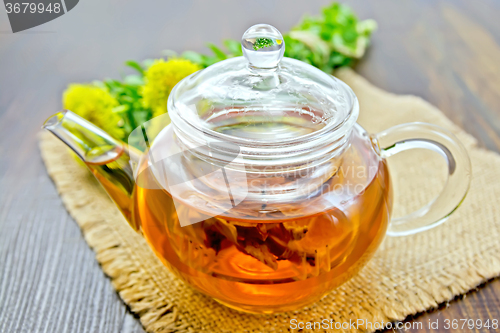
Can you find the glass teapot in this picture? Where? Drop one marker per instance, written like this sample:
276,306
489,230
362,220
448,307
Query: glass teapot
258,188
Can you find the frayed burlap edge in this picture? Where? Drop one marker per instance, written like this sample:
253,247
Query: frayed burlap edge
406,276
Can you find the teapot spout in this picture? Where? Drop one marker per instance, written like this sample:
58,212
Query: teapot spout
110,160
89,142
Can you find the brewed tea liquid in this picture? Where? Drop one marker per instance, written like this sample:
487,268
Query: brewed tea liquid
255,258
258,256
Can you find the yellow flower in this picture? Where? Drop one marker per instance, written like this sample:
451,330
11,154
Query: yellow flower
160,78
96,105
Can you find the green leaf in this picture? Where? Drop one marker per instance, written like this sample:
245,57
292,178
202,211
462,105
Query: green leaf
135,66
133,80
234,47
121,109
141,116
195,57
218,52
169,54
147,63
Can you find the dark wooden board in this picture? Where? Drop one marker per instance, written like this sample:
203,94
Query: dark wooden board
444,51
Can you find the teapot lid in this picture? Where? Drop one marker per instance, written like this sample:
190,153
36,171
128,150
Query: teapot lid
262,96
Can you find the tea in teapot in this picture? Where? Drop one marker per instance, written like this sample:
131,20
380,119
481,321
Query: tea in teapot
263,192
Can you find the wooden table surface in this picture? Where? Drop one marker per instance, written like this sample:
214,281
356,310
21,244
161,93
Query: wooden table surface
444,51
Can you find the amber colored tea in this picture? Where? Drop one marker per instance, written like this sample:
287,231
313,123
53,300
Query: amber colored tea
256,261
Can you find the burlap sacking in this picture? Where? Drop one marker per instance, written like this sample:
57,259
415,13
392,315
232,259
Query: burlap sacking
407,275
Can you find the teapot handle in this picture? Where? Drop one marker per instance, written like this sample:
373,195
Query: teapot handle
421,135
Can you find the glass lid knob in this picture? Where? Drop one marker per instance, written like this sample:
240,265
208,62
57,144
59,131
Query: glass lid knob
263,46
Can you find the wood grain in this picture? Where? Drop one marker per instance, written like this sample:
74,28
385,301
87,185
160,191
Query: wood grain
444,51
